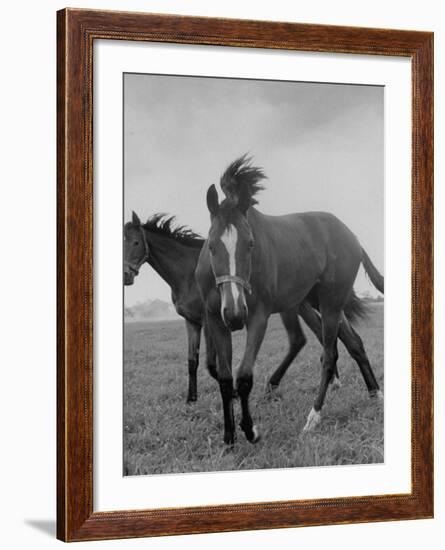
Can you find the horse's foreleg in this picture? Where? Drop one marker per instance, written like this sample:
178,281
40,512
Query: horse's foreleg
194,339
330,322
256,329
222,341
210,353
297,340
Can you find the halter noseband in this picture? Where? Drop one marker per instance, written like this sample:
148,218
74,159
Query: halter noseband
136,267
233,279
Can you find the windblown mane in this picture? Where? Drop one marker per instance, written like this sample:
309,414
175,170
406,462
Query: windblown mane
240,174
164,224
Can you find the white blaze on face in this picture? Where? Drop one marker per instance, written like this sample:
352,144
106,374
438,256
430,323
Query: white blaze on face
229,239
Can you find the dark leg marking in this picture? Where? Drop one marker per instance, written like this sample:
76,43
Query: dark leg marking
222,340
226,389
256,329
192,395
194,339
244,386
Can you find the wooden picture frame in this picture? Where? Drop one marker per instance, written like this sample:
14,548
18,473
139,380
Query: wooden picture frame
76,32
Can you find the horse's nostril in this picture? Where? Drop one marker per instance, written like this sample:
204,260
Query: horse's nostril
236,324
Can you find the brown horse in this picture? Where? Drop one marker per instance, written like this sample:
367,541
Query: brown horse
173,253
253,265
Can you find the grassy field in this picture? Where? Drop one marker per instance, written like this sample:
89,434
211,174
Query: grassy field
162,434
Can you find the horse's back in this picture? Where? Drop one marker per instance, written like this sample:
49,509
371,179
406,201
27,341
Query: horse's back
316,229
303,249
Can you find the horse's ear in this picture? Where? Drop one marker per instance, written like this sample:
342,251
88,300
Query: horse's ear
135,219
244,199
212,200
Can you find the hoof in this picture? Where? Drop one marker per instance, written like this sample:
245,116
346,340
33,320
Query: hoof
252,434
376,395
192,399
256,435
312,421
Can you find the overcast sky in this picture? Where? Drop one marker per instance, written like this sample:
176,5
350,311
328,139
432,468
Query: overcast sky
321,146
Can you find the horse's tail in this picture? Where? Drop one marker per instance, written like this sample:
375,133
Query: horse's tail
355,308
372,272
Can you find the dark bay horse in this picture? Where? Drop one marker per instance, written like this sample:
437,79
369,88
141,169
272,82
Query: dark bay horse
253,265
173,253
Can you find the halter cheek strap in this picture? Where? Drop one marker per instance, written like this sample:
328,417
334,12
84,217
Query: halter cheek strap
234,279
136,267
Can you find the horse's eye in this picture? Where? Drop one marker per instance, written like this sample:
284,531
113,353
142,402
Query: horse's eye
136,243
251,244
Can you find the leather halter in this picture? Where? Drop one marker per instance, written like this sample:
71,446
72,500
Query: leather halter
233,279
136,267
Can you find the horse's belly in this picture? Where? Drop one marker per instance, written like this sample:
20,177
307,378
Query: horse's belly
291,300
291,291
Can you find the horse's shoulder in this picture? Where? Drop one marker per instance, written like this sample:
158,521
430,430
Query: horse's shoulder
188,305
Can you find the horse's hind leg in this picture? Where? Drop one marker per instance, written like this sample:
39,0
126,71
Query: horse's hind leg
330,322
355,347
194,339
297,341
313,320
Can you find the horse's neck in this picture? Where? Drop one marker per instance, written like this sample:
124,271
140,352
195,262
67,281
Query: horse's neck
265,246
173,261
256,221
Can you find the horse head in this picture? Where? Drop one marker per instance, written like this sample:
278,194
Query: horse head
230,243
136,250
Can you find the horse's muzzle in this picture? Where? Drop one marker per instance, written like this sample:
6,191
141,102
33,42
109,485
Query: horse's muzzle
128,278
235,322
233,305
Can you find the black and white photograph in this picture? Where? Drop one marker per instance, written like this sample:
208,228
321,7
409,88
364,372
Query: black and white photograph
223,272
253,246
